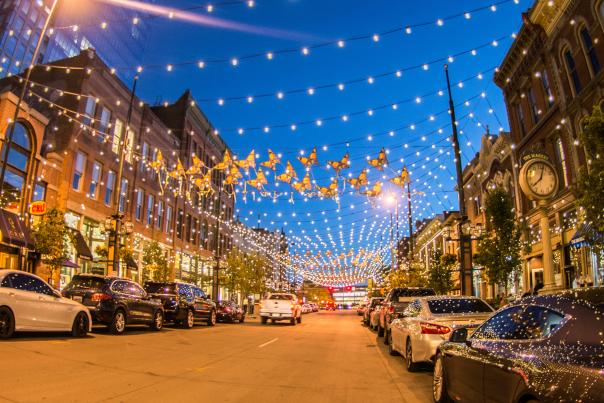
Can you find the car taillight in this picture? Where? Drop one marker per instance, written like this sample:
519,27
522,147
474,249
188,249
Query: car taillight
391,309
431,328
100,296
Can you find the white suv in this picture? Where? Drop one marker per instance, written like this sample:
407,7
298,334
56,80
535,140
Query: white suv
28,303
280,306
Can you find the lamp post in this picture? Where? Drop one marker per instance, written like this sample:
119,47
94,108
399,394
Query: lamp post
9,137
465,243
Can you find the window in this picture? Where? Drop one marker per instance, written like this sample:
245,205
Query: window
458,305
547,89
104,121
95,179
179,224
520,114
144,156
169,219
150,206
25,282
520,323
413,309
562,160
78,171
118,128
123,194
195,231
120,286
590,51
39,192
188,228
533,104
109,187
501,326
199,293
160,214
136,290
139,204
571,69
89,111
19,154
129,146
185,291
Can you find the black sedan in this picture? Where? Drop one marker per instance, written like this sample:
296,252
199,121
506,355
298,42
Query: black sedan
115,302
547,348
229,311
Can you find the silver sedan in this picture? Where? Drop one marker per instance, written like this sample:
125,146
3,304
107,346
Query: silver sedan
429,321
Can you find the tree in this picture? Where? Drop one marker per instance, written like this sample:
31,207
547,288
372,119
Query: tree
413,276
246,273
499,248
590,184
154,260
51,235
440,272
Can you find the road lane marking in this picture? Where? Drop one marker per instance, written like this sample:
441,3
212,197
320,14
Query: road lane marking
268,342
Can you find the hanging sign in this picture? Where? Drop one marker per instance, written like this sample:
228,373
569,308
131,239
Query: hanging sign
37,208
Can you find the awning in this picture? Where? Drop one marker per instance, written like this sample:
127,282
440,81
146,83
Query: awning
584,236
14,231
80,244
69,263
130,262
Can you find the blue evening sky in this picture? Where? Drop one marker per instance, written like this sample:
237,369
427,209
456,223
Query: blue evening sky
311,21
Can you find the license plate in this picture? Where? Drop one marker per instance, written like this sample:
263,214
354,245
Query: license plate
276,314
76,298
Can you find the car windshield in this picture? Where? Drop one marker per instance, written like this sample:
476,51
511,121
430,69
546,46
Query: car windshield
160,288
283,297
86,282
458,305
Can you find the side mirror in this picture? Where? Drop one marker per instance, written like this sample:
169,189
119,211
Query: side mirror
57,294
459,335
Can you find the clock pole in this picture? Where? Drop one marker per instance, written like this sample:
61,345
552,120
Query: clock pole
549,283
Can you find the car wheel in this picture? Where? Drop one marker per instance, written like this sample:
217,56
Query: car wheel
212,318
411,366
292,321
439,385
189,321
391,349
158,321
118,323
380,330
80,325
264,320
7,323
299,320
242,319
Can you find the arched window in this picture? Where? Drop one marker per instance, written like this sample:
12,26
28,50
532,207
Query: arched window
571,70
589,49
19,155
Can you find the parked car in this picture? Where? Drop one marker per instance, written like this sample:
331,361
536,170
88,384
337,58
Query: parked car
373,304
280,306
115,302
395,303
329,306
28,303
546,348
374,317
361,309
429,321
184,304
228,311
314,306
306,308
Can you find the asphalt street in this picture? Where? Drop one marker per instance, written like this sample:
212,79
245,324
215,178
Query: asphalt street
330,357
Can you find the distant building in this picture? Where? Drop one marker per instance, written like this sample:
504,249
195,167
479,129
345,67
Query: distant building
117,34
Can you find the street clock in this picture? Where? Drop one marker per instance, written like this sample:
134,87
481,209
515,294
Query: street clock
538,177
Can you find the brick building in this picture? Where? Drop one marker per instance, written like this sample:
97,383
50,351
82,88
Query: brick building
551,78
86,108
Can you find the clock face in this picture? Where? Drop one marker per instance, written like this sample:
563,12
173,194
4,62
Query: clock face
541,179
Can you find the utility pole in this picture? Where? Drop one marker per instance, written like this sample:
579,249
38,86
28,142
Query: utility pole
118,216
8,139
465,243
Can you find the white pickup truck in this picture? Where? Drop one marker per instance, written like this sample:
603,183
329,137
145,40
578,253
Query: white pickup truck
280,306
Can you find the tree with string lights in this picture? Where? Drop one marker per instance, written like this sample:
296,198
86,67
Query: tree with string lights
440,272
51,235
499,249
590,184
